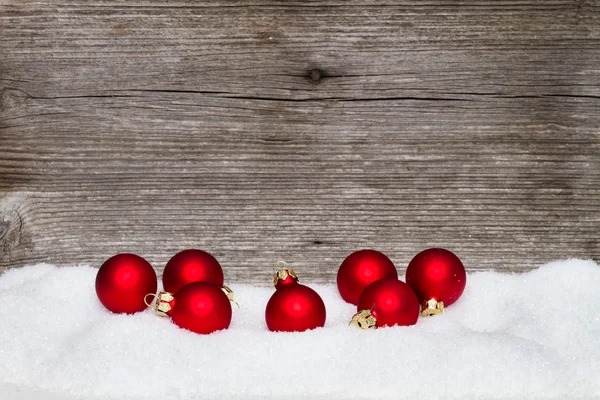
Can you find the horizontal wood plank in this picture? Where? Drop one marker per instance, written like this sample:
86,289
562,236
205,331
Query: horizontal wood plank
300,131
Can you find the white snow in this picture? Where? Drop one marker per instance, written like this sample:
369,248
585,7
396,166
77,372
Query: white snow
529,336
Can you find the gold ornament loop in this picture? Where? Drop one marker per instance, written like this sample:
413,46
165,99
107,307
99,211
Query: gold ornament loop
432,307
285,265
146,301
229,293
364,320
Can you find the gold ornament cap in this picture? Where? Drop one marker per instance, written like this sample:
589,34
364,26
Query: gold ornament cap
282,275
364,320
229,293
163,304
432,307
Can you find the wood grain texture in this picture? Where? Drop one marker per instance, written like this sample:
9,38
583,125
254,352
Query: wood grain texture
299,130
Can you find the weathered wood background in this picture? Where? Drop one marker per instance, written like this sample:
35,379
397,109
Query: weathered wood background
302,130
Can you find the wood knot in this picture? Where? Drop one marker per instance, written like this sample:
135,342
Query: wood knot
12,230
315,74
5,227
11,221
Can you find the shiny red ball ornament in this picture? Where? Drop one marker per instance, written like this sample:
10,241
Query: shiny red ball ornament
360,269
199,307
123,281
293,307
438,277
189,266
387,302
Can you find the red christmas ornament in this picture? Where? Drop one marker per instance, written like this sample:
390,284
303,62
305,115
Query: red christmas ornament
293,307
387,302
199,307
360,269
438,277
190,266
123,281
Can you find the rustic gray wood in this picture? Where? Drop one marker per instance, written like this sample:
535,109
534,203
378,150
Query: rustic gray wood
299,130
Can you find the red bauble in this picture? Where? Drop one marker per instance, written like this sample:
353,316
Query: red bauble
360,269
387,302
293,307
437,276
201,308
190,266
123,281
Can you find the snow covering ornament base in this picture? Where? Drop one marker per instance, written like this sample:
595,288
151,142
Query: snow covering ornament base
492,344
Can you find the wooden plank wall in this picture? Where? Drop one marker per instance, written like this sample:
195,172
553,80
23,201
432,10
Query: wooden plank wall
302,130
